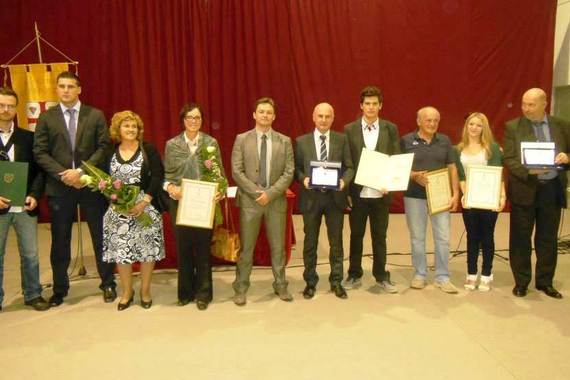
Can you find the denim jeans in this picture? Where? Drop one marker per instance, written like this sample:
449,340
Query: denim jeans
26,233
416,218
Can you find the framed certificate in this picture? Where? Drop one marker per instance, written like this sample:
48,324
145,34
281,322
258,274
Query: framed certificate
325,175
438,191
483,187
197,206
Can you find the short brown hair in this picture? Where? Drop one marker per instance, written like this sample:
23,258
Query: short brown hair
265,100
118,119
187,108
7,91
69,75
371,91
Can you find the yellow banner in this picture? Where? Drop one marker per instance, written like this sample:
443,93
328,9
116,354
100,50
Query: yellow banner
35,85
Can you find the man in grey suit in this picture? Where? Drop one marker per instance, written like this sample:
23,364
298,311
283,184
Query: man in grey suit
371,132
66,135
536,196
262,168
323,145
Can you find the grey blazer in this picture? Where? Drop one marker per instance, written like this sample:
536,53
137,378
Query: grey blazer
245,169
180,163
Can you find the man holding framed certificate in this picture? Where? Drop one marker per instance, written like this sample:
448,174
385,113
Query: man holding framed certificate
434,164
370,132
537,194
323,167
16,146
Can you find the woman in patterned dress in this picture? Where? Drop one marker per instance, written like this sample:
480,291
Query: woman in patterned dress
125,240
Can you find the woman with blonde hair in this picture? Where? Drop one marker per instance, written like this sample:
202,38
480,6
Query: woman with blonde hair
125,241
478,147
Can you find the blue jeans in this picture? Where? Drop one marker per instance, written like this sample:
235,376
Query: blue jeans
416,218
26,233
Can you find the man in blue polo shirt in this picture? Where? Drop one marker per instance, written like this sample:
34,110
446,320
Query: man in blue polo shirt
432,151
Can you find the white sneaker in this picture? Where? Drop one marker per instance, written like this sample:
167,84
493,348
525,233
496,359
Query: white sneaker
471,282
446,286
387,286
418,283
352,283
485,284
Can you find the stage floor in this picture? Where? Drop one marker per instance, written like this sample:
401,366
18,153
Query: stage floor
414,334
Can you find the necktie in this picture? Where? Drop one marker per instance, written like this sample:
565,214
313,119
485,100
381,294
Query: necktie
263,162
72,127
540,135
323,155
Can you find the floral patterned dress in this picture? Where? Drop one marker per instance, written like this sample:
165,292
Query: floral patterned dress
125,240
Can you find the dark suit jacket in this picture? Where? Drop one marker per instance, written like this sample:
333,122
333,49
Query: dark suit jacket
521,184
388,143
52,147
306,151
152,171
23,152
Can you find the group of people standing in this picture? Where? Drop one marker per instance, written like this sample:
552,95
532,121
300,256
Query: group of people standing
263,165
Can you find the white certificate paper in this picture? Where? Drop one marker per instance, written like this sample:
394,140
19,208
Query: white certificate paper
483,187
325,177
538,153
382,172
196,208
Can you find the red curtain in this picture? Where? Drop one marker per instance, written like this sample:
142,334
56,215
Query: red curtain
152,56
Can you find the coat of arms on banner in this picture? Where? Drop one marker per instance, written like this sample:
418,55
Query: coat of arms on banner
33,111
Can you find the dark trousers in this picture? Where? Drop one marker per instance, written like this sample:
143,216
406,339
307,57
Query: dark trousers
480,227
545,213
62,212
194,262
323,204
378,211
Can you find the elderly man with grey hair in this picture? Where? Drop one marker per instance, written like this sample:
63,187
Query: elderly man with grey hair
536,196
432,151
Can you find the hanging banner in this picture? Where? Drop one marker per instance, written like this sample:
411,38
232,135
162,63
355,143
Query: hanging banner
35,85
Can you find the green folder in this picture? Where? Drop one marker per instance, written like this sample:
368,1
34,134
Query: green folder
14,182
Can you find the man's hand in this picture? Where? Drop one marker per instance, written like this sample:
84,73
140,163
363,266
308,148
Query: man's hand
341,185
420,177
561,158
306,182
71,178
263,199
454,202
4,203
31,203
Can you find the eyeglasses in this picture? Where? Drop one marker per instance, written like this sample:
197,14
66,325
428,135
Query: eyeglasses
9,107
193,118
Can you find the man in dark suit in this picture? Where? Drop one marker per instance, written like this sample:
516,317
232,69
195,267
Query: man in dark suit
536,196
16,145
262,168
323,145
66,135
374,133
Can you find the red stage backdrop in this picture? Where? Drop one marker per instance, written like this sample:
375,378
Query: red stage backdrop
152,56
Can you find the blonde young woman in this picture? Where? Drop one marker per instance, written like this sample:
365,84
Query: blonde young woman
125,240
477,147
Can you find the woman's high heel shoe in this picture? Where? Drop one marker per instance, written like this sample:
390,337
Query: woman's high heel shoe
123,306
145,304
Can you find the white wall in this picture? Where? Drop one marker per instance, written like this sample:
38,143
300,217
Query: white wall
562,45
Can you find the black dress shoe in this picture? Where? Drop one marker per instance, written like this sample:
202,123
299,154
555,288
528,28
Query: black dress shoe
339,291
309,292
56,299
550,291
109,294
38,303
201,305
184,302
123,306
519,291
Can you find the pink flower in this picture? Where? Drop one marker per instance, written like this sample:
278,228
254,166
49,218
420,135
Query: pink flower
102,184
208,164
113,197
117,184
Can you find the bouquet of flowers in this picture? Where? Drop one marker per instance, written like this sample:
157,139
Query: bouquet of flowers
212,172
122,196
